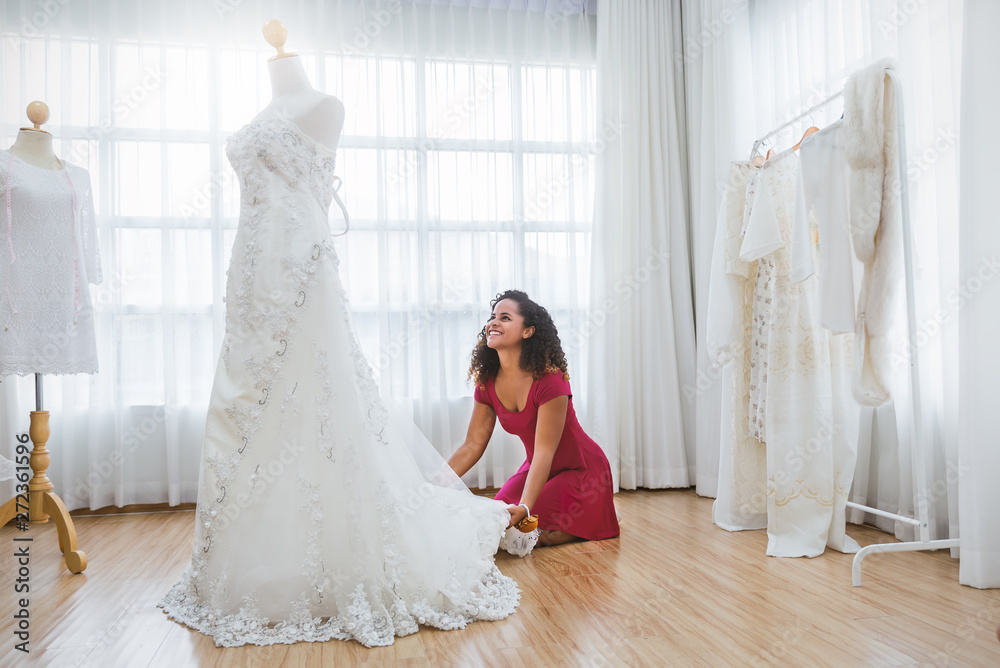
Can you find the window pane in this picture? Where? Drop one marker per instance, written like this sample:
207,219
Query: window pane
193,361
83,84
470,186
141,367
360,189
140,257
139,76
360,268
189,188
353,81
545,104
549,257
185,82
548,182
468,101
474,265
397,103
139,178
402,172
243,87
190,253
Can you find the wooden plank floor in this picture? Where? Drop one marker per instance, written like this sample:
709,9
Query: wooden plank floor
673,590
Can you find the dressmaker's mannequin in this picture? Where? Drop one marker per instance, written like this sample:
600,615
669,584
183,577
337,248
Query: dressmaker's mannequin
318,115
34,145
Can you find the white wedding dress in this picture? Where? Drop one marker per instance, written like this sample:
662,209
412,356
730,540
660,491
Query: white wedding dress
318,517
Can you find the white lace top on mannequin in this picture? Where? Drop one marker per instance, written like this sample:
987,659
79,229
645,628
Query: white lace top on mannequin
48,256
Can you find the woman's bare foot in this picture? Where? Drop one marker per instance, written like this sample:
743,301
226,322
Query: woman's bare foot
550,538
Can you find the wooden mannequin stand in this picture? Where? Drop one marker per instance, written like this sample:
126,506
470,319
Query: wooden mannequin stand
42,501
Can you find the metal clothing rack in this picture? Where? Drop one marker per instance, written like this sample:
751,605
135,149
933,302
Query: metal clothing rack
921,522
919,445
807,112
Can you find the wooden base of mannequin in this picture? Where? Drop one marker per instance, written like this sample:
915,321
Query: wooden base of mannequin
42,501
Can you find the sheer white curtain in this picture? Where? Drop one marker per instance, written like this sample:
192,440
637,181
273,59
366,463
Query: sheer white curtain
468,166
800,53
719,104
979,363
641,318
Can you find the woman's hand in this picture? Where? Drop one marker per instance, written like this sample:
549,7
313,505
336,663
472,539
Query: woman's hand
517,513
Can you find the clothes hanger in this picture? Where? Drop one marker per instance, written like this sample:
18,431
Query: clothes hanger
812,129
809,130
756,159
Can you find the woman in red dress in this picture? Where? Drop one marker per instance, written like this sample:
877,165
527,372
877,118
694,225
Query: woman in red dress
520,373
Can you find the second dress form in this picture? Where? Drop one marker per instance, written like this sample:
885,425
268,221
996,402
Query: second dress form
318,115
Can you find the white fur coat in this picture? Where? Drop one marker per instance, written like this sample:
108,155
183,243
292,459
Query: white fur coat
872,153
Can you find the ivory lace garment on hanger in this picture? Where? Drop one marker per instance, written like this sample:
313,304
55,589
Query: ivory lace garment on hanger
811,417
823,188
742,467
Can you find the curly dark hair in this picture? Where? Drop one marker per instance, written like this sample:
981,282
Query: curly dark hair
541,353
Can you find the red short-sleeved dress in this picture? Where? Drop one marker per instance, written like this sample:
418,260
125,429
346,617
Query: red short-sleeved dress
577,498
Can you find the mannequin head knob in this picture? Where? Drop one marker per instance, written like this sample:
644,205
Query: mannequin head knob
276,33
38,113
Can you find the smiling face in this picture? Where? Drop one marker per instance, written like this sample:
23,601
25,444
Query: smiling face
505,327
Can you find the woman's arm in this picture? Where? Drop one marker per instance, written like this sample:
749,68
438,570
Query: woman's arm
484,418
548,432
